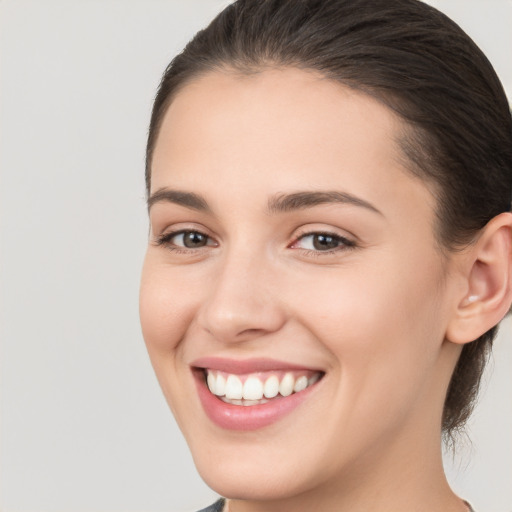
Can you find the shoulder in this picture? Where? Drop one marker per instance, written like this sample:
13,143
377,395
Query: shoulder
216,507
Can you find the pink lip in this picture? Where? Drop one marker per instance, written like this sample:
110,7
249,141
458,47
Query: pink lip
237,417
241,366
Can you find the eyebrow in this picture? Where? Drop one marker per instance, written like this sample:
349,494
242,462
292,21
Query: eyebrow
302,200
187,199
280,203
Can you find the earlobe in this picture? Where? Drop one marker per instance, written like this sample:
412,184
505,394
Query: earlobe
488,277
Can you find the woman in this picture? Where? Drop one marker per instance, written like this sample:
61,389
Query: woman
329,187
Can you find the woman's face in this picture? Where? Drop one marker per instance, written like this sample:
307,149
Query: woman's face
290,249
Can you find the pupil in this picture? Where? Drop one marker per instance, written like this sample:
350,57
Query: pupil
192,239
325,242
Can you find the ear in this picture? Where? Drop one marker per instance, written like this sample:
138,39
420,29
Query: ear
488,283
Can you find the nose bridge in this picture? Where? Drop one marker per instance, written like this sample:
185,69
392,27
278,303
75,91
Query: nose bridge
241,304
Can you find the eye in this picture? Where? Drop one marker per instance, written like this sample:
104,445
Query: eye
186,239
323,242
190,239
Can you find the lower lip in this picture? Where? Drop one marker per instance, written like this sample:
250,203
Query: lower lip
253,417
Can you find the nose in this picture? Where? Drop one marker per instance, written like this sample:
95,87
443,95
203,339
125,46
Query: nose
243,301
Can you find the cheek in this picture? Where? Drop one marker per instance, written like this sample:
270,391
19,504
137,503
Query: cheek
166,306
384,336
382,323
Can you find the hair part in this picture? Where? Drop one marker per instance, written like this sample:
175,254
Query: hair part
421,65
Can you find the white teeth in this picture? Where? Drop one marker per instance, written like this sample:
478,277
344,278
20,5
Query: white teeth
313,379
300,384
232,402
233,387
253,402
216,384
286,386
210,380
220,385
271,387
253,389
245,403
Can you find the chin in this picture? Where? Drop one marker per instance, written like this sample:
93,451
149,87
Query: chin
260,470
252,482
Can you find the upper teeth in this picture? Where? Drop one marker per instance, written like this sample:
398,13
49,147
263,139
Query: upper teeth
258,386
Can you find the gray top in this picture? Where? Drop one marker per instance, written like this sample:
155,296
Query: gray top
219,505
216,507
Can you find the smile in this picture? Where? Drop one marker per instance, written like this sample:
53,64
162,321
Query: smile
251,394
258,388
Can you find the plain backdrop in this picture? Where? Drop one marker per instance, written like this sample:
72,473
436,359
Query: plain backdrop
83,424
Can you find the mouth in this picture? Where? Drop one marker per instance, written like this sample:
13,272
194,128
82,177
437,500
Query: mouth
260,387
251,394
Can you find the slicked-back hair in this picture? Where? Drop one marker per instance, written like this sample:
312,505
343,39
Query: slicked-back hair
417,62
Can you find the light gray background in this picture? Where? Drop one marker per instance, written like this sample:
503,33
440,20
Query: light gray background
83,424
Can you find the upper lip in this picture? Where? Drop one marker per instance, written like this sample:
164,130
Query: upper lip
243,366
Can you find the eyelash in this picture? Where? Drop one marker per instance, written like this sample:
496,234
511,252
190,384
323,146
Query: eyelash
165,241
344,243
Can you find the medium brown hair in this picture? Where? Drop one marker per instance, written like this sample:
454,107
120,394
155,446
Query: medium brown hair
420,64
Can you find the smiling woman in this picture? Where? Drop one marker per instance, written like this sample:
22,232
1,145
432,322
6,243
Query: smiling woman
329,189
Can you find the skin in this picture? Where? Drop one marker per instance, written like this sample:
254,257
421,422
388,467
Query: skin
373,316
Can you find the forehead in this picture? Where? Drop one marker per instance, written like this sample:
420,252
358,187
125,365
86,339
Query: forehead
278,127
